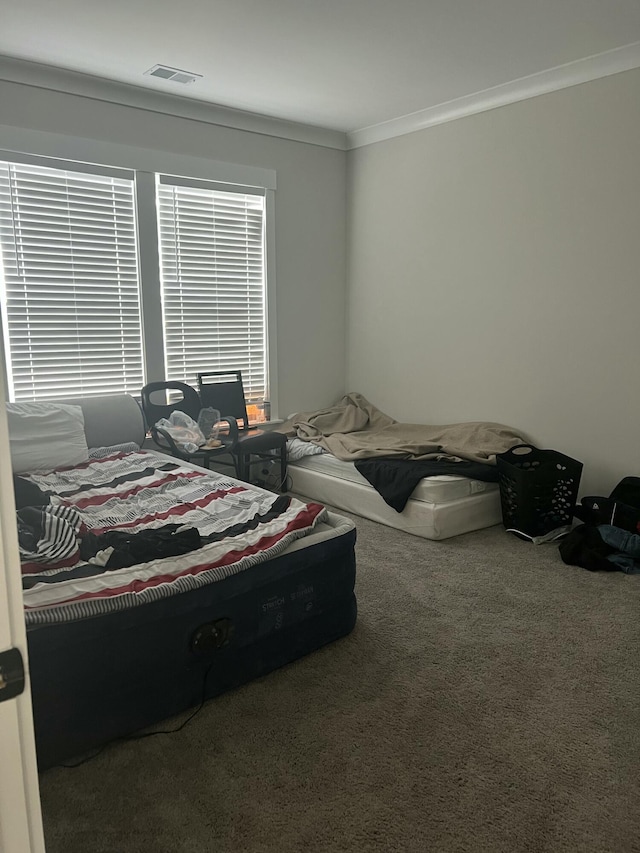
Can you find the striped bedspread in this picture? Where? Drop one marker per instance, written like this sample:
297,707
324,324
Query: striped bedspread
135,491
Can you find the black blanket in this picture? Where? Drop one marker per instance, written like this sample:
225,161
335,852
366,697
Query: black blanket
395,479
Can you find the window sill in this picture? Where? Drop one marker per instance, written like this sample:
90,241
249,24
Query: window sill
272,424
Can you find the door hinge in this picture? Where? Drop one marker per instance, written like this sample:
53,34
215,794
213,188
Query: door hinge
11,674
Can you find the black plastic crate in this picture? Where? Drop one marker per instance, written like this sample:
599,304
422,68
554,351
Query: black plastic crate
538,489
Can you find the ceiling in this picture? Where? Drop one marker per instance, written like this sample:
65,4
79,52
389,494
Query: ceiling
338,64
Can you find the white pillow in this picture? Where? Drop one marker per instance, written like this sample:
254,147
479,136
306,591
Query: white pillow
44,436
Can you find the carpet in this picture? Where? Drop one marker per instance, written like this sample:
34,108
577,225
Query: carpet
487,700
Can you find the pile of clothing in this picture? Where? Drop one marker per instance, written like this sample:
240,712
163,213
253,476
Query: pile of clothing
54,536
609,537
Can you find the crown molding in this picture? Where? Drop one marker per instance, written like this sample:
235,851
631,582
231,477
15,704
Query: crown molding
55,79
562,77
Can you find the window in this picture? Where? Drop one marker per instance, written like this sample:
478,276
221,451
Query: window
212,264
79,279
71,305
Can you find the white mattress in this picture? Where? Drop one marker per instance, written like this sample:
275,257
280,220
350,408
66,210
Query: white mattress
439,508
434,490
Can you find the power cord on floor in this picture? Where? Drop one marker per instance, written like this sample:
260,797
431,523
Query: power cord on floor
148,734
273,481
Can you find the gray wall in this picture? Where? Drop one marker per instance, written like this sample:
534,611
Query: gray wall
493,261
309,229
494,273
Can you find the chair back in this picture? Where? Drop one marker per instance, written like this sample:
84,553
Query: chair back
189,403
223,390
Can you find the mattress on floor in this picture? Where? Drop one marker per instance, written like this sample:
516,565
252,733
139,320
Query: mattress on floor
440,507
436,490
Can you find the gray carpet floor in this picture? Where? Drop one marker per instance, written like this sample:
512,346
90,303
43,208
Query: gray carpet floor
487,700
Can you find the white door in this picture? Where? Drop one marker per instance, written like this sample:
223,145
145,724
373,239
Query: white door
20,816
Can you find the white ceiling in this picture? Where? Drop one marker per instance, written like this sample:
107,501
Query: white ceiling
339,64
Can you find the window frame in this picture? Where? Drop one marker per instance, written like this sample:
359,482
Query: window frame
56,209
176,182
96,157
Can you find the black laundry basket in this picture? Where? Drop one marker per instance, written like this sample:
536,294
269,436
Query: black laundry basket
538,489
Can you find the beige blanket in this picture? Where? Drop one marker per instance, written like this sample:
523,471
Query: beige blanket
355,429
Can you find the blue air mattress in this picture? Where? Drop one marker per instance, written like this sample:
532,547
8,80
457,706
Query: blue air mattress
107,676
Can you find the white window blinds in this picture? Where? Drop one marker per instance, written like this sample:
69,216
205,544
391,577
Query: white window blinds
213,281
71,307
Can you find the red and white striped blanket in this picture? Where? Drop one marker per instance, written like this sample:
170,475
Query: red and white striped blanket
137,491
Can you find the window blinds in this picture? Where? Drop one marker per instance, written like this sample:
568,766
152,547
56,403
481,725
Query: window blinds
213,281
71,300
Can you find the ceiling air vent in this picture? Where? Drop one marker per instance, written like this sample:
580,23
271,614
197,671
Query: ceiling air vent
176,75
